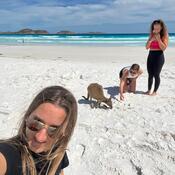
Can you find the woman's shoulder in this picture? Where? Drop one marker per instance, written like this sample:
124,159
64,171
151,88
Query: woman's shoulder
3,164
65,161
63,164
9,151
165,37
8,147
11,154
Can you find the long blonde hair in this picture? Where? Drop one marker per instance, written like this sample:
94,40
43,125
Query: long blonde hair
59,96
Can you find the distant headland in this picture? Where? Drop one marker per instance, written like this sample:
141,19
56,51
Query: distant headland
31,31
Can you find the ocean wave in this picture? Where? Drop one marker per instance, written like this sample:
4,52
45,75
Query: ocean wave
119,39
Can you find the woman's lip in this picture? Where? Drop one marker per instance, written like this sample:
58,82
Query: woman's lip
36,143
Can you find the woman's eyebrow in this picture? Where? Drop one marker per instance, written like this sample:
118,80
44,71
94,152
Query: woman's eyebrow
35,117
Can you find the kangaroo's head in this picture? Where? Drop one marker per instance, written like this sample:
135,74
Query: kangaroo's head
108,101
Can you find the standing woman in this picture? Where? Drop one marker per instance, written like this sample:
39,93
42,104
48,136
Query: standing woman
157,43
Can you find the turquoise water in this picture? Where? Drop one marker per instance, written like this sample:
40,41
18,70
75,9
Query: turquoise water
80,39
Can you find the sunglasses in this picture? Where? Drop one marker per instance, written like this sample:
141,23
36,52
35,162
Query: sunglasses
36,125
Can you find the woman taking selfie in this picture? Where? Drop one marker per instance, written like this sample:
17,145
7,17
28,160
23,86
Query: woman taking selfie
39,148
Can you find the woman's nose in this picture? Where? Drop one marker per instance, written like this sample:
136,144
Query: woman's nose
41,136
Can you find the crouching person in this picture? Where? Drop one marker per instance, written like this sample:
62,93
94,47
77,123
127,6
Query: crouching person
128,76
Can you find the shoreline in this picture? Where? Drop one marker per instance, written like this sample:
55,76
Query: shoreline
82,53
106,40
78,44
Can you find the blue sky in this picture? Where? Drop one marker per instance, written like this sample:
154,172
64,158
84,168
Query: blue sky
109,16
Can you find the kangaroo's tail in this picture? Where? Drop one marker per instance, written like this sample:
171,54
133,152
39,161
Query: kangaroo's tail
86,98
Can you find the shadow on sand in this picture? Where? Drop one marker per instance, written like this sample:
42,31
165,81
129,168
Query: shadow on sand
140,92
112,91
83,101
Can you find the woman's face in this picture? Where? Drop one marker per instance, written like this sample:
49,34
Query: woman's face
41,126
157,28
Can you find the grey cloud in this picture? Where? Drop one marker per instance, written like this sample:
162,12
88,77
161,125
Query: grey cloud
57,17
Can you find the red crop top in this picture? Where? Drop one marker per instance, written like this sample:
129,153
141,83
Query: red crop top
155,45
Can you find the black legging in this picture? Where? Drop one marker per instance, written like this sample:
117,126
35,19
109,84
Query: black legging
155,62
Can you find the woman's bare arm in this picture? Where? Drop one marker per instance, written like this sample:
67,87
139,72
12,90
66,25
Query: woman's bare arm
3,164
122,83
163,43
148,43
62,172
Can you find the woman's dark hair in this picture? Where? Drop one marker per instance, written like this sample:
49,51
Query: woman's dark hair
135,67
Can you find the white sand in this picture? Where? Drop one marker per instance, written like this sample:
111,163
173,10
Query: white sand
136,137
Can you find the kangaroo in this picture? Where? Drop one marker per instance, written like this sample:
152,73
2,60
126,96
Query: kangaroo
95,91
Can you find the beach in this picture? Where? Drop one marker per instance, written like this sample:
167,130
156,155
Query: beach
135,137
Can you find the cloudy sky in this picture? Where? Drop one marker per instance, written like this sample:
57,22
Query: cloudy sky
110,16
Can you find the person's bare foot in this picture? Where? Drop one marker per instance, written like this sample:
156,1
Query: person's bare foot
148,92
153,94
